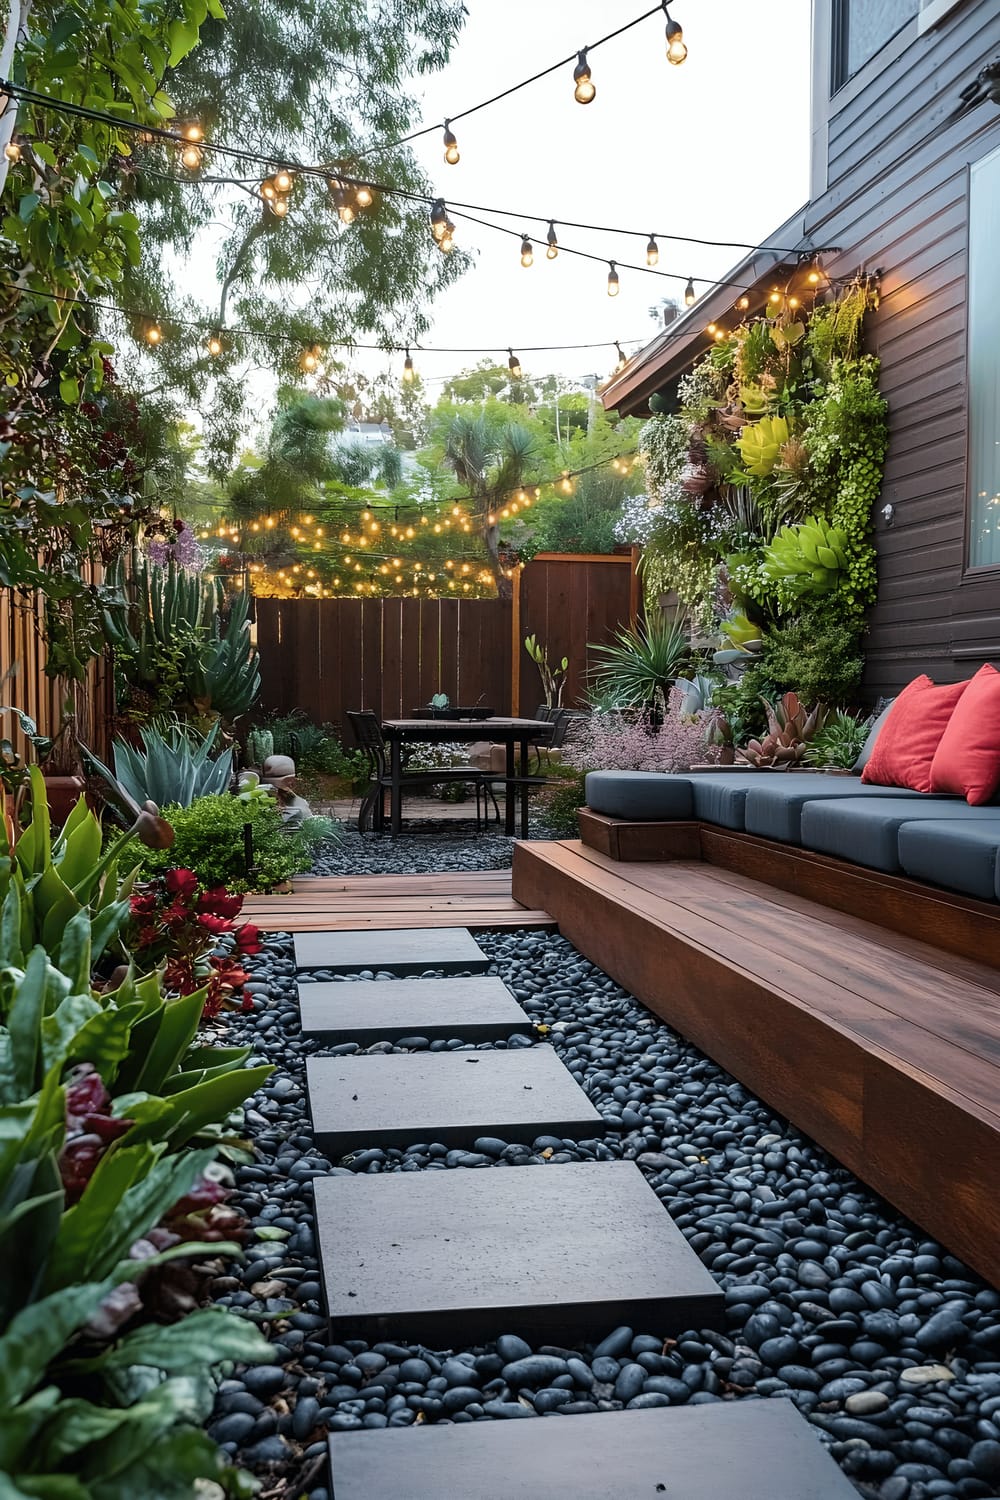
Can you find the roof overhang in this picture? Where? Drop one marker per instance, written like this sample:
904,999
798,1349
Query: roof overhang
685,340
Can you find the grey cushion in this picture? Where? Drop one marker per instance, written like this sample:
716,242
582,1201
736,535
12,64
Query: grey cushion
865,830
774,805
719,797
869,744
645,796
964,857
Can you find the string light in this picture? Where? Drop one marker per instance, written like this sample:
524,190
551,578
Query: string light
689,294
283,181
363,195
514,365
676,50
12,151
553,243
451,154
439,219
309,361
710,328
622,358
612,279
409,373
744,303
214,344
652,251
774,297
585,92
527,253
153,333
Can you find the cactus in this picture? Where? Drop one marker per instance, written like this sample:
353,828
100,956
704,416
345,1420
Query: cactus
260,745
172,640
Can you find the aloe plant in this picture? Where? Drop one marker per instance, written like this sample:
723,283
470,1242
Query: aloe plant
171,641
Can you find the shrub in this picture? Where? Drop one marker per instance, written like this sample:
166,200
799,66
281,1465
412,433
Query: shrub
817,655
560,804
315,748
209,840
629,742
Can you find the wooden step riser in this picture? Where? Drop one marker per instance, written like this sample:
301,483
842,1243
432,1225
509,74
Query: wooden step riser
899,1130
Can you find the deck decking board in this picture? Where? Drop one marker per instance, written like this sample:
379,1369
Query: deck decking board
334,903
876,1044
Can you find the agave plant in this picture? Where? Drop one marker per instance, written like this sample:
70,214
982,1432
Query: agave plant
789,729
639,665
839,742
169,769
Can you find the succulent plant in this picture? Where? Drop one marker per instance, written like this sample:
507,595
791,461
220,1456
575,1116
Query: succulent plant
760,445
839,742
808,558
789,729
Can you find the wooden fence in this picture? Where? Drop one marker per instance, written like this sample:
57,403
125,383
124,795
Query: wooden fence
22,654
326,656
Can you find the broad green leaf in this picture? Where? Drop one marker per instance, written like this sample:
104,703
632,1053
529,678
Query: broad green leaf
29,202
77,855
24,1023
178,1024
74,952
55,903
84,1226
77,1424
39,1332
11,926
165,1470
18,1428
183,1115
205,1337
182,36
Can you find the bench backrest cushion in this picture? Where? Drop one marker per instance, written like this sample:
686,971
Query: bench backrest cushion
967,759
905,748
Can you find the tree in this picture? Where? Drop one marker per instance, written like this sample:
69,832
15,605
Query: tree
321,81
490,459
488,379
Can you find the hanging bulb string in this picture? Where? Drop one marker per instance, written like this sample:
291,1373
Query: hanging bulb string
176,138
515,88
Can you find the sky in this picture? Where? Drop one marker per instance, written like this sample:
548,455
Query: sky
717,148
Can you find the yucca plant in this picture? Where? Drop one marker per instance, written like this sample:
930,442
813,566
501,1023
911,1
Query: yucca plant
839,742
640,664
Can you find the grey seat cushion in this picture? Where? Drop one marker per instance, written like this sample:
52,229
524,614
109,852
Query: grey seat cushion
641,796
774,805
865,830
963,857
720,797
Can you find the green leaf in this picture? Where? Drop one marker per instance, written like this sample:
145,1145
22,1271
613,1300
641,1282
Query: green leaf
38,1333
25,1021
182,36
205,1337
183,1115
29,202
69,389
81,1244
74,953
178,1023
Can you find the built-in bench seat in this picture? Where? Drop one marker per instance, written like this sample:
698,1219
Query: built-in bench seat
883,828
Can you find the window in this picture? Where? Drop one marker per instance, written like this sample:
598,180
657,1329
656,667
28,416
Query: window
984,364
861,28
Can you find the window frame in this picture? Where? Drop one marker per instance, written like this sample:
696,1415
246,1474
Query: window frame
972,572
839,30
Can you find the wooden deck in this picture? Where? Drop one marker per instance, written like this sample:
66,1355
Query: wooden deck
333,903
883,1048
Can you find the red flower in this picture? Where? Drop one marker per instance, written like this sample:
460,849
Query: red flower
214,924
142,903
176,914
228,972
179,976
248,939
219,902
85,1095
181,882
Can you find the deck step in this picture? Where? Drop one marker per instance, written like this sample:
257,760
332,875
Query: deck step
452,1097
757,1450
410,951
556,1253
374,1010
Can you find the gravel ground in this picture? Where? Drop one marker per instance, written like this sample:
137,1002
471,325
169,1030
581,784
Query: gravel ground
423,848
887,1344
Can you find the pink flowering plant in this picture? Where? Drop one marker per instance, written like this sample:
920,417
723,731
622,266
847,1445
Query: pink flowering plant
621,740
177,926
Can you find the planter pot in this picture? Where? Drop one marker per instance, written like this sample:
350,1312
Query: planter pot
62,794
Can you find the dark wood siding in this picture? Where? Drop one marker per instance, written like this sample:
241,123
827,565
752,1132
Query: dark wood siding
897,199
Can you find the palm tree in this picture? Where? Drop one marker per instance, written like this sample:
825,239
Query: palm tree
491,460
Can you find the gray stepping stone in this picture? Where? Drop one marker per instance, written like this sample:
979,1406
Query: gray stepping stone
374,1010
754,1450
406,951
451,1097
554,1253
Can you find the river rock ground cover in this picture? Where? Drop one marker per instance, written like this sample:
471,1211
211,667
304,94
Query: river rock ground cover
888,1345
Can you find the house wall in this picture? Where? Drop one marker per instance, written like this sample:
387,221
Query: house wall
891,189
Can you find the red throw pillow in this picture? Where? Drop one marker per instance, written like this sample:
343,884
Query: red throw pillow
967,759
911,734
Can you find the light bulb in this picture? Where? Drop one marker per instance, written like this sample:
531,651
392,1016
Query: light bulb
744,303
514,365
279,207
451,155
676,50
553,249
409,373
612,279
720,334
268,189
814,277
345,211
283,181
153,333
585,91
309,359
363,195
527,254
191,157
793,303
775,296
710,328
689,294
12,151
214,345
652,251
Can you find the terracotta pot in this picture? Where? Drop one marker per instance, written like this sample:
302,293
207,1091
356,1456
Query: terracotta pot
63,793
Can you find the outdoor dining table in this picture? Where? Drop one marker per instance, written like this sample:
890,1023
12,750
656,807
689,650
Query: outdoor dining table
511,733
